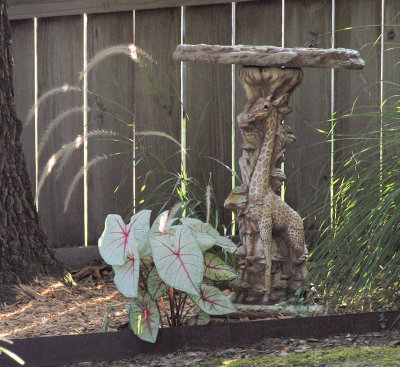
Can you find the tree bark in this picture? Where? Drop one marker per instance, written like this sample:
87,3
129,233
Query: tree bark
24,252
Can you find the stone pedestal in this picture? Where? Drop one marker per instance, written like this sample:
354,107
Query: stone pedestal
273,252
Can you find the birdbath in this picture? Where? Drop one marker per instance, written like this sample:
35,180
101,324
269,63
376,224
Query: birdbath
273,252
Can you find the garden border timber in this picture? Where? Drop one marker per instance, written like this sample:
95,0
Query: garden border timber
27,9
60,350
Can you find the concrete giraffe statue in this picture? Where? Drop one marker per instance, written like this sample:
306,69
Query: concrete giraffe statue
262,215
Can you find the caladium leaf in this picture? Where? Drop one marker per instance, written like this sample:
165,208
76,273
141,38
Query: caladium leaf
159,227
226,244
116,240
205,240
179,260
213,301
155,285
144,318
201,318
161,224
204,233
127,276
197,225
216,269
140,226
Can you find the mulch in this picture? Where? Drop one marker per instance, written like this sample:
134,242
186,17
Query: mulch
60,309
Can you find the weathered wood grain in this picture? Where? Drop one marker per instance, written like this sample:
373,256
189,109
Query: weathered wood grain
391,75
60,59
271,56
307,166
111,82
358,92
23,9
24,87
257,23
208,102
157,107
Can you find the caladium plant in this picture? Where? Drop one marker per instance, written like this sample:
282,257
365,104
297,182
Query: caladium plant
163,266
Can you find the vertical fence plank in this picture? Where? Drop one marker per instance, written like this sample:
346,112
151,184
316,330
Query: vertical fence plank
24,87
307,166
110,99
358,92
391,72
257,23
209,105
60,59
157,107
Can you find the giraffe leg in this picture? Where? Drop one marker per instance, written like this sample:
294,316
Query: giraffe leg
295,235
265,230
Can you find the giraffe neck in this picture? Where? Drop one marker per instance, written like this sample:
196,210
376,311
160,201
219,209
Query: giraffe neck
260,182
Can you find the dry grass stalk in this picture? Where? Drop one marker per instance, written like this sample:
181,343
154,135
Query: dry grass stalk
79,175
130,50
56,122
63,89
67,150
208,202
174,210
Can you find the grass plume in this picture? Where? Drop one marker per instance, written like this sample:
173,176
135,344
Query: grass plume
135,53
79,175
63,89
67,150
56,122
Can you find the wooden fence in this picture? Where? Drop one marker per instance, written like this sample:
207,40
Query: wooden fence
52,39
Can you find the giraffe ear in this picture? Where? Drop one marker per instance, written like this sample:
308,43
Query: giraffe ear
285,109
283,99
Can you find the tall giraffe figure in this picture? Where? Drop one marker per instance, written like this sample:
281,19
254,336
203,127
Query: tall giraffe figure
271,232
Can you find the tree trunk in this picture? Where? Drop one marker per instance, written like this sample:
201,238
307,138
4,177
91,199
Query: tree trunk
24,252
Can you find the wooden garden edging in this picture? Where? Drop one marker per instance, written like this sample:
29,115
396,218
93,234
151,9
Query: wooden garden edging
59,350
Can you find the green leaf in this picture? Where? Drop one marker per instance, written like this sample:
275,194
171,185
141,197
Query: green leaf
144,319
216,269
201,318
106,323
179,260
155,285
127,276
213,301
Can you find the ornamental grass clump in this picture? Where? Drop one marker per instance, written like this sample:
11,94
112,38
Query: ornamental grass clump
162,266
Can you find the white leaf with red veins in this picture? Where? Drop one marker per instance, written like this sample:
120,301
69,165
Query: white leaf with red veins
159,226
213,301
127,276
226,244
201,318
116,240
197,225
179,260
204,233
155,285
144,319
216,269
140,226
